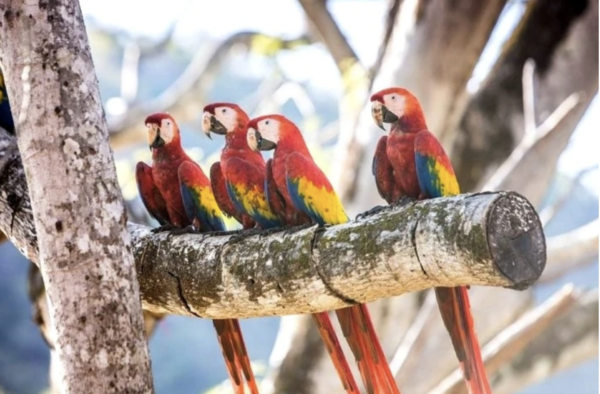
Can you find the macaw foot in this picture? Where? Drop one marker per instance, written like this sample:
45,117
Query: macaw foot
220,233
404,200
208,234
372,211
183,230
272,230
242,235
164,227
295,229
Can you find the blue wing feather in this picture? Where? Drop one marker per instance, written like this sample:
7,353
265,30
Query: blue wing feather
434,170
193,210
428,179
233,196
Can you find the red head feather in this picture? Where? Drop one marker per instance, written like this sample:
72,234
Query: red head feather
412,118
210,108
169,136
157,118
253,123
289,138
280,118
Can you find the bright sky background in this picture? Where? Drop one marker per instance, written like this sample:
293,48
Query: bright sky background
361,21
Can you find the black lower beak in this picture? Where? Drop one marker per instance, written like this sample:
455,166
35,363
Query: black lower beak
264,144
387,115
217,127
158,141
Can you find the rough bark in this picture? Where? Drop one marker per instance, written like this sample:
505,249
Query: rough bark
78,213
41,318
494,115
489,239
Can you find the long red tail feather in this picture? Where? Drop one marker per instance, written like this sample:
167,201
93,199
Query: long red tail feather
360,334
335,352
456,313
242,355
235,354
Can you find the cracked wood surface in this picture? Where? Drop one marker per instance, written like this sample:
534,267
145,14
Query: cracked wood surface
493,239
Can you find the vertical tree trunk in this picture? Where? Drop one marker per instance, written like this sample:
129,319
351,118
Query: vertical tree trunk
79,215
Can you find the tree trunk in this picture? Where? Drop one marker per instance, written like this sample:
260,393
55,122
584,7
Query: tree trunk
80,221
494,115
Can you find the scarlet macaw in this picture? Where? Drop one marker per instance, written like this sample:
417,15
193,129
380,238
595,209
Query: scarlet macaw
241,176
238,180
178,194
301,185
412,163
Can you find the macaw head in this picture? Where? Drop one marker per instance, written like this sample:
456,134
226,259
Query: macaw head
222,118
265,132
394,105
162,130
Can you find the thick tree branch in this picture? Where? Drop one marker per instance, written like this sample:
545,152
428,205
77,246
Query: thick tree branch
491,239
305,272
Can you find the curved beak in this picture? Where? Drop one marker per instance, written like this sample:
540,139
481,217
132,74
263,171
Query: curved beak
382,115
256,141
388,116
154,138
211,124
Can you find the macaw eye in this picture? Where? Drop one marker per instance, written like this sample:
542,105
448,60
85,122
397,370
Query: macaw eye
223,110
266,122
393,97
168,123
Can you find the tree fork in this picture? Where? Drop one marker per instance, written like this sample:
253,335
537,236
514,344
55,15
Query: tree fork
493,239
